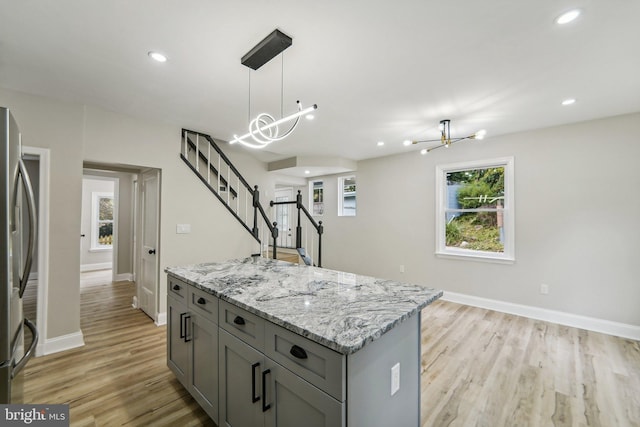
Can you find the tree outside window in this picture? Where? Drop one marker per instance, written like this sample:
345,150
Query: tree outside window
475,213
102,220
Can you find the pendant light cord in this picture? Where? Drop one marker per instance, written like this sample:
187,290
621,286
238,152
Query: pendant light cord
282,85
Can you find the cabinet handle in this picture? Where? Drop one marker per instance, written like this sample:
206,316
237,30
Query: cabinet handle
265,405
201,301
238,321
187,318
176,287
298,352
254,398
182,328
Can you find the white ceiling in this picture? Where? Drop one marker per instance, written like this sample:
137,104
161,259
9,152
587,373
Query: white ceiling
378,70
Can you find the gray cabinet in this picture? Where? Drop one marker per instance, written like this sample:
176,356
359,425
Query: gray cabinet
203,378
257,391
192,346
294,402
240,383
246,371
177,346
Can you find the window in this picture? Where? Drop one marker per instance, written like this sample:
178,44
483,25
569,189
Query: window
101,221
316,193
474,211
347,196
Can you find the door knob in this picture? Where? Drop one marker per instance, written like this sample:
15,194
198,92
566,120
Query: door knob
152,251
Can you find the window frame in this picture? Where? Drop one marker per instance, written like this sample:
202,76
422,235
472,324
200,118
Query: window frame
508,212
95,220
311,194
341,195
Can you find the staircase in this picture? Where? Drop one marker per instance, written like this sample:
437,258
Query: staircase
203,156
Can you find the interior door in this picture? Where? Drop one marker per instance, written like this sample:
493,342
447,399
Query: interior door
149,251
284,216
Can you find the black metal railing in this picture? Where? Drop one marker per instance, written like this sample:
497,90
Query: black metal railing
319,229
203,156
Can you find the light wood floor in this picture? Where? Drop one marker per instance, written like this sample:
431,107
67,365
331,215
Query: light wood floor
479,368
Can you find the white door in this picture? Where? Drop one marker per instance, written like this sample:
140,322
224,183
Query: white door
149,251
284,217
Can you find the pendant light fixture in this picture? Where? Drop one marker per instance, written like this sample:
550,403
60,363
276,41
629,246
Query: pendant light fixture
264,128
446,139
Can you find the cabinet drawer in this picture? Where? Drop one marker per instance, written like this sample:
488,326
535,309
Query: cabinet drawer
204,304
244,325
178,289
317,364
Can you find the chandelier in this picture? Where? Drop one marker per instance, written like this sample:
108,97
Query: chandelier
446,139
264,128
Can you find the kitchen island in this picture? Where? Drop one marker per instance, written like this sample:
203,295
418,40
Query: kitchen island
265,342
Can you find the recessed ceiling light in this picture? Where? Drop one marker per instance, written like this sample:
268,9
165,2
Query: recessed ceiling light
423,151
157,56
567,17
380,143
406,143
569,101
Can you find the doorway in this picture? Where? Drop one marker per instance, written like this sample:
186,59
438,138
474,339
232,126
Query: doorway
38,162
124,233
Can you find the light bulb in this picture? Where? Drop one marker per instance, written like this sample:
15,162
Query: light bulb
157,56
567,17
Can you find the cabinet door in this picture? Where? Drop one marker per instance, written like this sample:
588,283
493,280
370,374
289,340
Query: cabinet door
240,383
177,345
203,379
295,402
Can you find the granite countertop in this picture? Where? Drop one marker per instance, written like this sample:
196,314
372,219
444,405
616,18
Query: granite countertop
342,311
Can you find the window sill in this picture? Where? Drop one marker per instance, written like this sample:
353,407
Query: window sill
474,256
99,249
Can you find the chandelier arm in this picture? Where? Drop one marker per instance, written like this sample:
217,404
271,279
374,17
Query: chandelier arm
260,129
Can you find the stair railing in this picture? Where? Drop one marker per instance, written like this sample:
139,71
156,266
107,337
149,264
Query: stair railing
319,228
203,156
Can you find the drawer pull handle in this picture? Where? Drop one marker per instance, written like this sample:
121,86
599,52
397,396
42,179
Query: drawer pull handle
254,398
298,352
201,301
238,321
176,287
265,405
183,329
186,319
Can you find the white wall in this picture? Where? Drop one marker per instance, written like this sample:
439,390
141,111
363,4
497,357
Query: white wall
77,133
577,222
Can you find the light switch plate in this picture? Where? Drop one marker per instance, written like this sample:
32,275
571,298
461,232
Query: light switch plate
395,378
183,228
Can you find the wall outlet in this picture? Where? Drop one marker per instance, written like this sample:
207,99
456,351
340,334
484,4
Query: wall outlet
395,378
544,289
183,228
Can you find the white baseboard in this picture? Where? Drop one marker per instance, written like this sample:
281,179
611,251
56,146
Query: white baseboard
123,277
62,343
96,266
583,322
162,319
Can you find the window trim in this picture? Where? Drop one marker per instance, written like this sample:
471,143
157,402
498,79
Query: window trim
95,211
442,251
341,180
311,202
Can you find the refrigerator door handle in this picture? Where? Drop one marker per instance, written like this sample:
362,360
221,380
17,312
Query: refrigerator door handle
29,353
31,204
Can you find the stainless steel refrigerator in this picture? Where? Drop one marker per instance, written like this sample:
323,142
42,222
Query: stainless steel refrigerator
14,266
